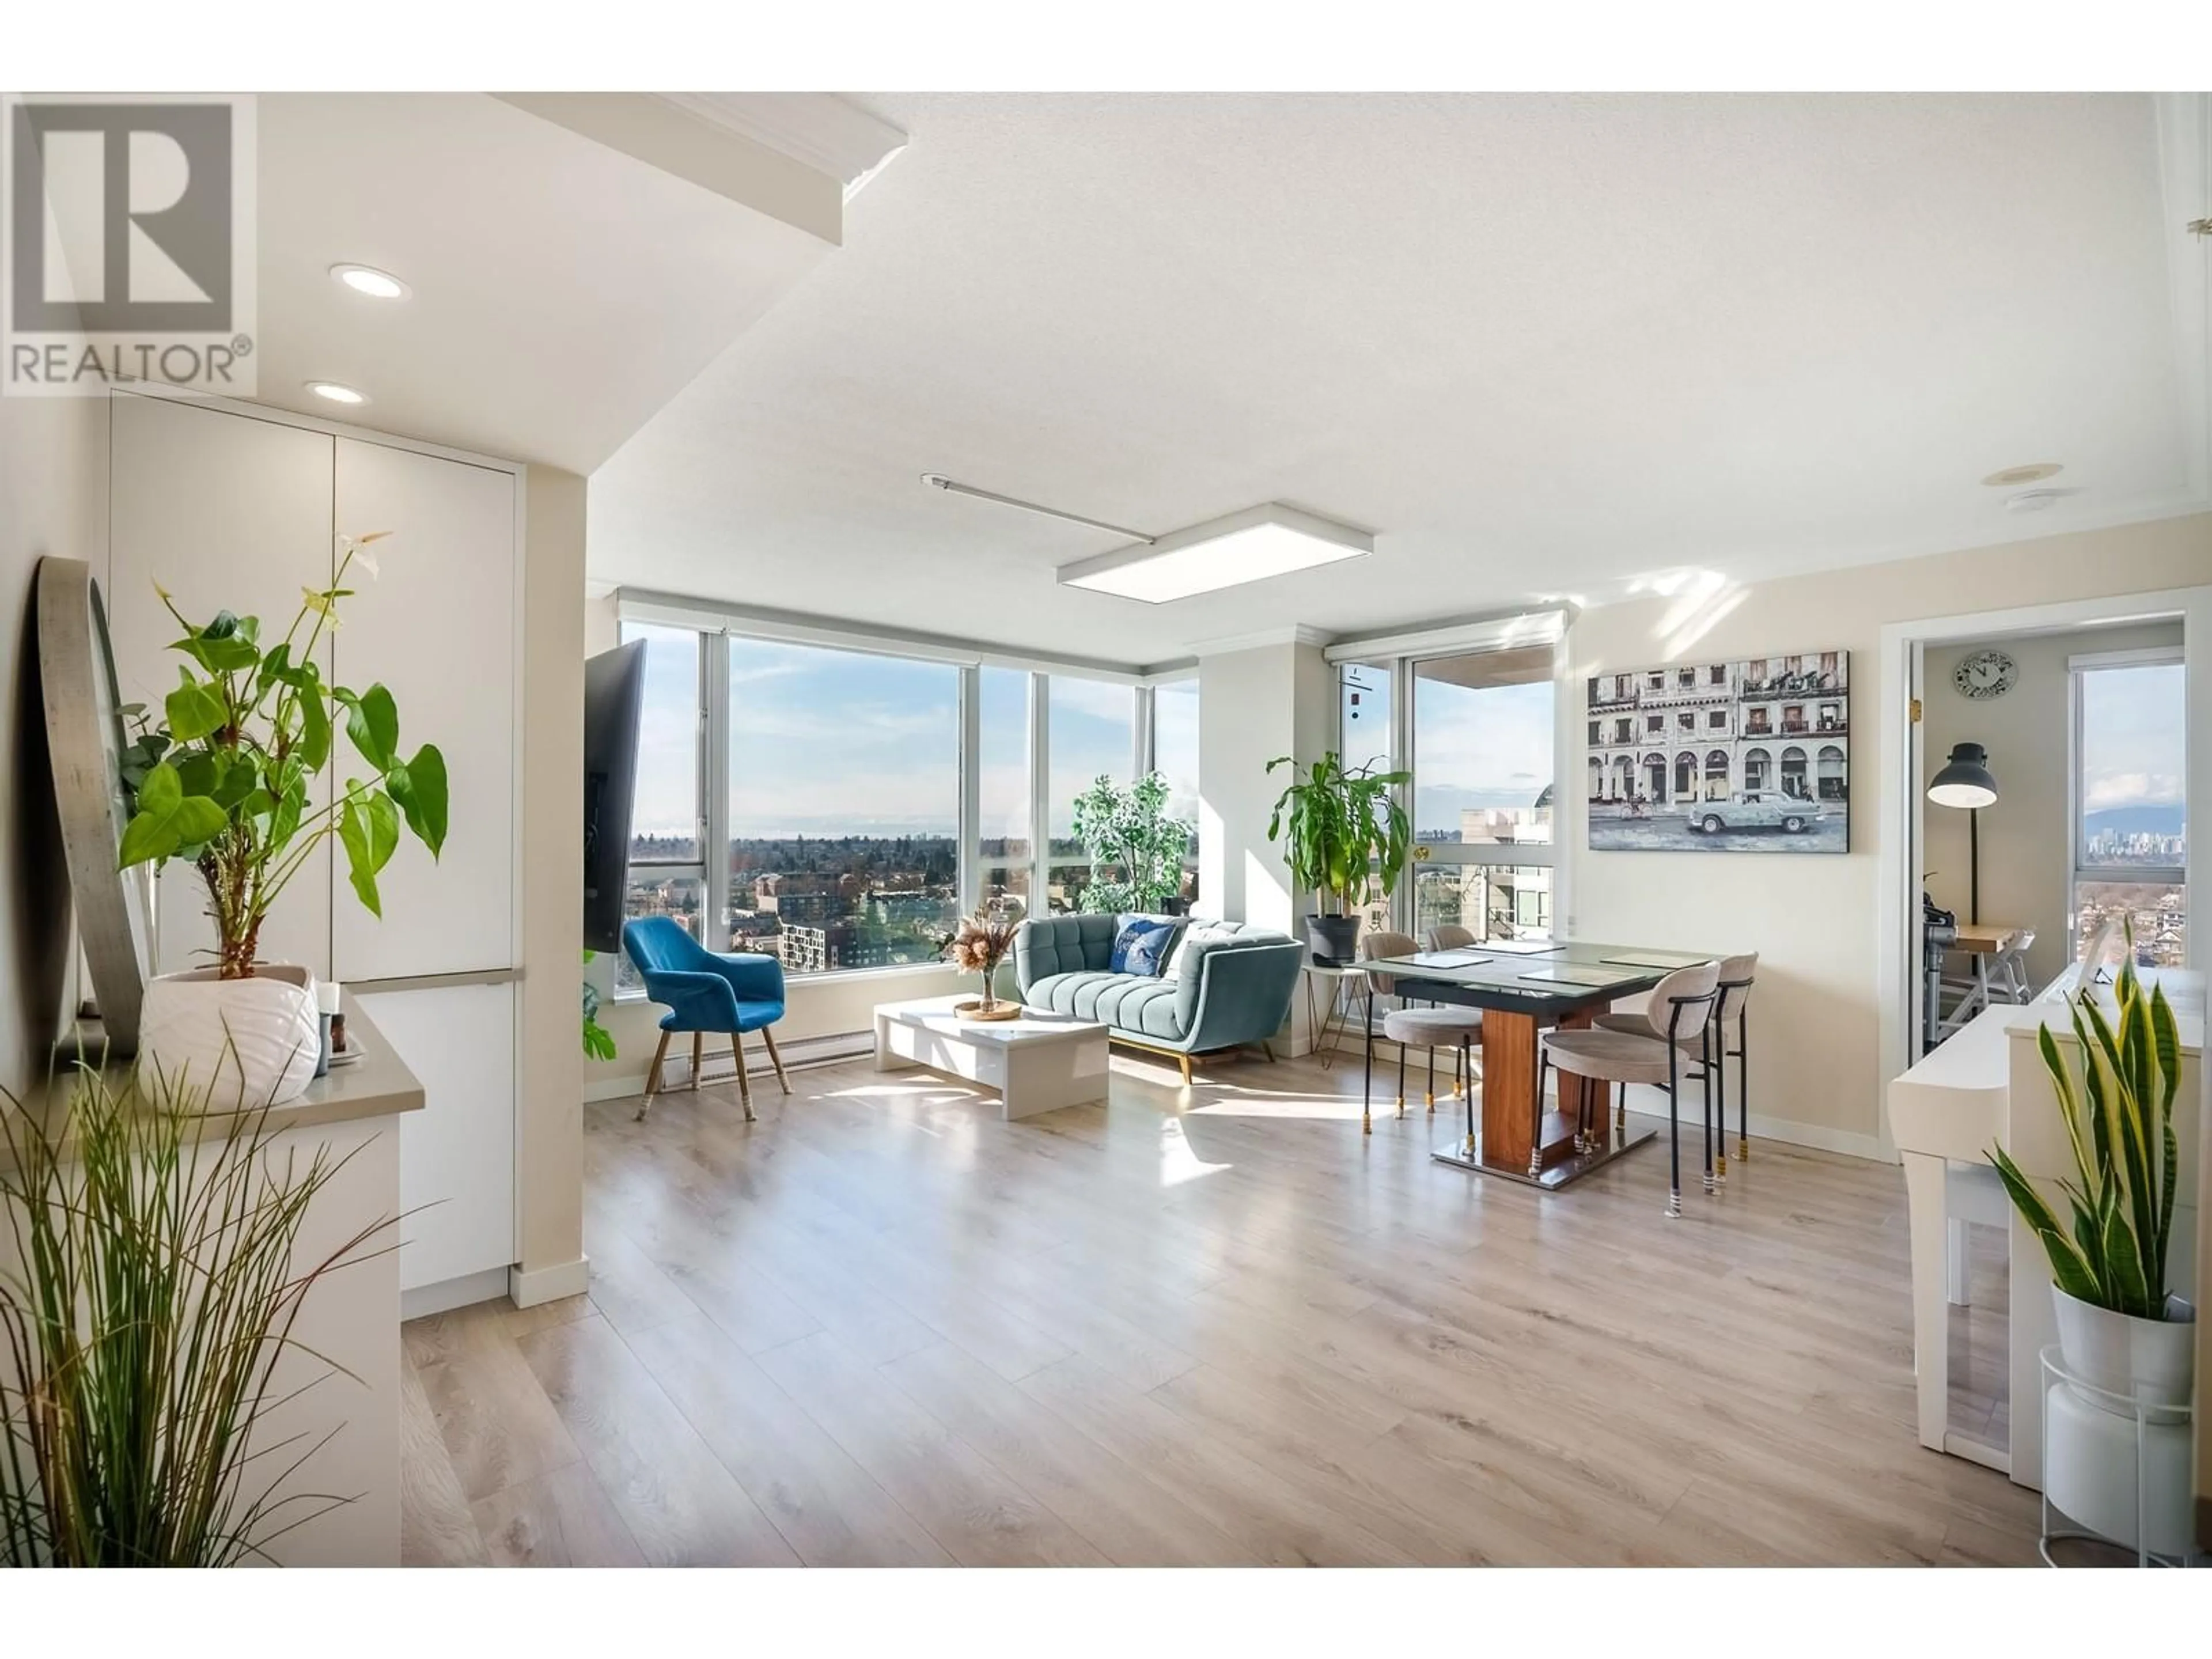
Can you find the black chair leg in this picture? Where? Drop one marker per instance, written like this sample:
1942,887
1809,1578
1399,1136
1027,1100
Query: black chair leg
1705,1115
1718,1089
1673,1134
1402,1079
1743,1088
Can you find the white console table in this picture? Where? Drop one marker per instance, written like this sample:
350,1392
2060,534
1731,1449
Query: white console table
1945,1114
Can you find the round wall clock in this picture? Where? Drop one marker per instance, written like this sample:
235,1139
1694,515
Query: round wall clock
1985,674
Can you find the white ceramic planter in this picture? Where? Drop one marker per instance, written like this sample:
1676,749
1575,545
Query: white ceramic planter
2150,1359
2097,1471
247,1042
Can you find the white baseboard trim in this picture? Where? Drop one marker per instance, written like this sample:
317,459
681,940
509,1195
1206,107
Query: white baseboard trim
528,1289
447,1294
1645,1102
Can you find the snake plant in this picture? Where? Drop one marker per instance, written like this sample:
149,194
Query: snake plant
2119,1125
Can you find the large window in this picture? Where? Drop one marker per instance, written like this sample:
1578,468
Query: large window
1092,735
1482,745
667,876
839,808
844,805
2130,828
1175,757
1003,792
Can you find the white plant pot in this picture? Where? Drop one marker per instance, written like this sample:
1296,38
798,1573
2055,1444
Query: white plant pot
2153,1360
247,1042
2091,1463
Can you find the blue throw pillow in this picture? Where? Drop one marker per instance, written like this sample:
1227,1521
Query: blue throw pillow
1141,947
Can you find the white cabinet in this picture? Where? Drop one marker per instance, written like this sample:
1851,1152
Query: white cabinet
223,511
457,1154
229,507
437,626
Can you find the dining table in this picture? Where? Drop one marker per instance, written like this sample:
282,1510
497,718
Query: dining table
1524,987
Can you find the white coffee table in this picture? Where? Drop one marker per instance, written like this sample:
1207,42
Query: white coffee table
1038,1063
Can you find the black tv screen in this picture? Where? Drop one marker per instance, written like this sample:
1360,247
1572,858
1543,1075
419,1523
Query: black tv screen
614,696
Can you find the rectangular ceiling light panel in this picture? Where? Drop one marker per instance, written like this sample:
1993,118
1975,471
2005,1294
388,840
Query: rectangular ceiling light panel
1264,541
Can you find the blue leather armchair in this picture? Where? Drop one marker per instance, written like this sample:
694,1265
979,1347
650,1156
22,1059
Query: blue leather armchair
705,992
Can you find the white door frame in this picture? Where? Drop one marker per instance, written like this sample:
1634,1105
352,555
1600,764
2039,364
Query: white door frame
1897,937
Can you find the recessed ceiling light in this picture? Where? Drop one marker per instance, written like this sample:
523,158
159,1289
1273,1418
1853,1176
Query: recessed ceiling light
336,393
1267,540
367,279
2033,472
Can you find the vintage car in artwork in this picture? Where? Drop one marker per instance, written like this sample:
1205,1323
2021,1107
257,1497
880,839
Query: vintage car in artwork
1757,809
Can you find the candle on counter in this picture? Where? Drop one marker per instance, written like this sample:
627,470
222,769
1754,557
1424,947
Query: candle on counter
326,997
332,1022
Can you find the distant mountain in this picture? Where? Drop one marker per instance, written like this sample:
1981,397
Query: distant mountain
2166,820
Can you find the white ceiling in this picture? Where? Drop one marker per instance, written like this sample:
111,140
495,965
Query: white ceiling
562,291
1541,345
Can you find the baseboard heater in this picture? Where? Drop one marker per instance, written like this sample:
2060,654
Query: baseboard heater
721,1066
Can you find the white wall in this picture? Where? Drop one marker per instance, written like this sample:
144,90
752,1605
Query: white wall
53,501
550,1129
2026,837
1813,919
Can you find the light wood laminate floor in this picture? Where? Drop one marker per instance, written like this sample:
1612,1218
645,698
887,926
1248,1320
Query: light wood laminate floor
880,1326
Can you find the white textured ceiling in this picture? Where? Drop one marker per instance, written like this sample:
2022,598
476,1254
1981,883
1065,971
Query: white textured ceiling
1542,345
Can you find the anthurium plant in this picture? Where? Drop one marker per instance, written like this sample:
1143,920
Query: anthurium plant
225,781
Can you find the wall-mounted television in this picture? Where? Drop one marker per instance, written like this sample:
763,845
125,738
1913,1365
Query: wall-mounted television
614,696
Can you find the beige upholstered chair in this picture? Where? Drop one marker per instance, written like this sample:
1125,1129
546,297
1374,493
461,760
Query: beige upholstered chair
1681,1005
1737,973
1430,1028
1451,936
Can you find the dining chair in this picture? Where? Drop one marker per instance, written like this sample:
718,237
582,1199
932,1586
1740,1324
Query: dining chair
1682,1004
1431,1027
705,991
1451,936
1731,1009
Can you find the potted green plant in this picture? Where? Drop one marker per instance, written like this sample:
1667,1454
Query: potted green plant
151,1278
2125,1340
224,781
2119,1327
1343,830
1129,830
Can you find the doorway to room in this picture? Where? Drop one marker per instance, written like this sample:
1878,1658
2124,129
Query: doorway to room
2039,783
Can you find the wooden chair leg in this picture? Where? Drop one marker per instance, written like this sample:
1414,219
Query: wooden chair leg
775,1059
744,1084
698,1055
653,1076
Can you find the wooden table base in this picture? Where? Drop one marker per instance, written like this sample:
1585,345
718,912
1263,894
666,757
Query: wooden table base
1518,1137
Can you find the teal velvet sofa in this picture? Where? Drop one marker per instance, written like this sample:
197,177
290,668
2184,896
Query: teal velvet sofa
1233,984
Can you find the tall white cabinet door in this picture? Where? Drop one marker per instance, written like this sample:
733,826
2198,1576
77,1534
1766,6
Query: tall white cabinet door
436,626
457,1154
227,513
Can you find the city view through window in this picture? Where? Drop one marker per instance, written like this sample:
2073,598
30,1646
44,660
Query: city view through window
1482,763
841,818
2130,835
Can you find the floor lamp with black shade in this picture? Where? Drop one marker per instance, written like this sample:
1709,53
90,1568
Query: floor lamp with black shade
1965,782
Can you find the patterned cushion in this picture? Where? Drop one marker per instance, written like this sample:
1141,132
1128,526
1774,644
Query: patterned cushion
1140,946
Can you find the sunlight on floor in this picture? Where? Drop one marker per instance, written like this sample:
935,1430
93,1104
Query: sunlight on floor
1178,1159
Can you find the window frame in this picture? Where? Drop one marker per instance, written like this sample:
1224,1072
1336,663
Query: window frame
716,630
2078,869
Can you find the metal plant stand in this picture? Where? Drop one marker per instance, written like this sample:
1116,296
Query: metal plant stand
2146,1417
